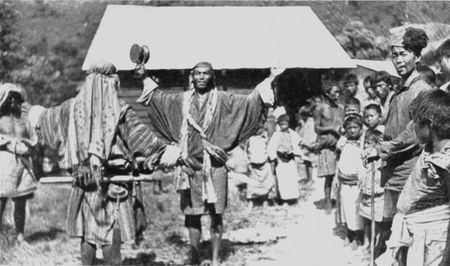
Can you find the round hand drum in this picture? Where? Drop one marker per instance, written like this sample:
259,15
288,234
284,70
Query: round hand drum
139,54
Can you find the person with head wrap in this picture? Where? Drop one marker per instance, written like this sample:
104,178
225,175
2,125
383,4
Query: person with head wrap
284,151
97,136
206,123
17,177
400,148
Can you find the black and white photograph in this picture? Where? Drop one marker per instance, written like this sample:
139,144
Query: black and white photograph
226,132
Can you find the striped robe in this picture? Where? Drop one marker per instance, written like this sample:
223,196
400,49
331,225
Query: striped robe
88,218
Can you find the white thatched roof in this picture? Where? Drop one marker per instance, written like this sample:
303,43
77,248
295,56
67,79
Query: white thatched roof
228,37
378,65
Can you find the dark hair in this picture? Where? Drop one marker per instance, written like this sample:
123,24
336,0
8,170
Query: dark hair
305,111
283,117
415,40
433,107
353,119
443,50
373,135
373,106
427,74
351,78
381,76
368,79
327,87
352,101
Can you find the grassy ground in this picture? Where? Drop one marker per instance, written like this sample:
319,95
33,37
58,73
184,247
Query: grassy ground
165,240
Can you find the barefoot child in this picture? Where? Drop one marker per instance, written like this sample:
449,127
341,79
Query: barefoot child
349,163
259,168
283,148
308,138
371,138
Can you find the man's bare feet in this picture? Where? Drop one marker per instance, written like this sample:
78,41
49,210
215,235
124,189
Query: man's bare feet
20,238
346,242
355,245
328,206
192,257
210,263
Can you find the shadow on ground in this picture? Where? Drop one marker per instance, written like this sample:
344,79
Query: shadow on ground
50,234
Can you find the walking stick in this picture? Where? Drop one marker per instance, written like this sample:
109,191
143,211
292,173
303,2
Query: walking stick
372,215
337,216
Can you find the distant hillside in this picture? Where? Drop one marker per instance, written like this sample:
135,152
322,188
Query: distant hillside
56,35
77,21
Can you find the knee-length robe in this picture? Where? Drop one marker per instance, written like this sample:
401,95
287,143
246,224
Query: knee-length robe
234,119
66,128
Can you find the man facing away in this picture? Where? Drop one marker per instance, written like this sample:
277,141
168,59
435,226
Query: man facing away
206,123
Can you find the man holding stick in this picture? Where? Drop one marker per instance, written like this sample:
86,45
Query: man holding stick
400,148
206,123
98,136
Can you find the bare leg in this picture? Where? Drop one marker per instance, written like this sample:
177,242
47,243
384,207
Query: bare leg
111,254
87,251
308,170
367,233
216,237
194,225
157,187
19,216
327,190
2,210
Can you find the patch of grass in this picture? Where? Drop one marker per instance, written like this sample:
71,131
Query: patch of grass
165,239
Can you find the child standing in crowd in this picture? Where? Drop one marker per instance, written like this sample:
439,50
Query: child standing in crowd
373,117
367,173
443,59
283,149
351,88
381,82
259,168
427,74
423,210
327,122
308,137
352,107
349,163
371,95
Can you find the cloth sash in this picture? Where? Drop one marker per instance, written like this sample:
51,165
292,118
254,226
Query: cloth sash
209,149
416,229
349,180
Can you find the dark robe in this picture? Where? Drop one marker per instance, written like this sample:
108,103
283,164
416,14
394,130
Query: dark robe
235,119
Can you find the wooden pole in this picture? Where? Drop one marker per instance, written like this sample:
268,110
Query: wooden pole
117,178
142,178
372,215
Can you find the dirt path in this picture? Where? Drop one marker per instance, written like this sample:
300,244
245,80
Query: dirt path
309,240
276,235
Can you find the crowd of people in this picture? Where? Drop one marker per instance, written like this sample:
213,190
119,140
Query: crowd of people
381,154
383,157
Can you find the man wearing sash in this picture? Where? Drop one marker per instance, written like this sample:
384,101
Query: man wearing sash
206,123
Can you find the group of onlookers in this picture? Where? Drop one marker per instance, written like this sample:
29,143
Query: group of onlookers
384,157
